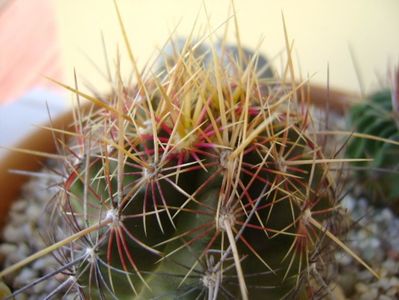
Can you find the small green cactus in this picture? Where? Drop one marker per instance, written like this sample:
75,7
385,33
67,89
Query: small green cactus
378,117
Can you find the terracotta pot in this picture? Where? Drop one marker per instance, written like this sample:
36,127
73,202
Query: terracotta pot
10,184
43,140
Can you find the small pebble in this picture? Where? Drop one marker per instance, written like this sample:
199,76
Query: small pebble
12,234
19,206
361,287
369,295
7,248
24,277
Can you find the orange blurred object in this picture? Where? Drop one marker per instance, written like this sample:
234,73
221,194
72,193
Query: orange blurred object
29,49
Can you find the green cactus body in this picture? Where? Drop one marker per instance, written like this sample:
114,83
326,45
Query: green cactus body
379,178
203,183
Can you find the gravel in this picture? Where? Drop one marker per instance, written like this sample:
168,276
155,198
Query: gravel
374,236
22,237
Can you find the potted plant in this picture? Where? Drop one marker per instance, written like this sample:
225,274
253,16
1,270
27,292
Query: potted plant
202,179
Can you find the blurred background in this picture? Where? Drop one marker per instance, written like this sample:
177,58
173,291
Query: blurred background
52,38
322,31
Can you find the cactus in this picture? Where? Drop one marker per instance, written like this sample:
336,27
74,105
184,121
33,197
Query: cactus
207,182
202,180
377,116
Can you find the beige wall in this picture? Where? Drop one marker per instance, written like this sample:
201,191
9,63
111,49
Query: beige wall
322,31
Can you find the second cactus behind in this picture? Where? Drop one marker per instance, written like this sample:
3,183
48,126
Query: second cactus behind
377,117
